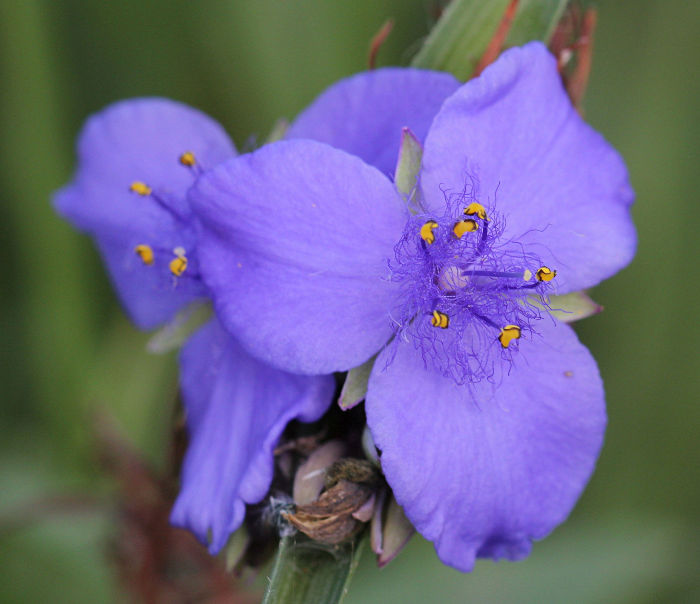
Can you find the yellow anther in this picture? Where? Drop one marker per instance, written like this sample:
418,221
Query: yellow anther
476,208
426,231
188,159
527,275
145,252
545,274
464,226
141,188
440,319
508,334
178,265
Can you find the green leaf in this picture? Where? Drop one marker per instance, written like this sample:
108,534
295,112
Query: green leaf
307,571
461,36
535,20
467,27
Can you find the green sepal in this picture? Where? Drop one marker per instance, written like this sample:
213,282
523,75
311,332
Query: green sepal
278,132
174,334
369,448
355,386
407,170
307,571
397,531
570,307
236,547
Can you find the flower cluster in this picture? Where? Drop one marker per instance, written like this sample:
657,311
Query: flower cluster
487,411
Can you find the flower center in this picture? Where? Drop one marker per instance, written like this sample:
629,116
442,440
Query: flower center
467,290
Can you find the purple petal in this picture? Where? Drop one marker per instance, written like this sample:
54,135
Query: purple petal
141,141
483,469
560,186
364,114
294,247
236,410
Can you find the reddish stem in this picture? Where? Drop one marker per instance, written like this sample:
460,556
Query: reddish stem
578,80
377,42
499,38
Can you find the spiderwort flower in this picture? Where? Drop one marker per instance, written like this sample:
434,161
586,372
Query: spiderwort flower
137,159
488,412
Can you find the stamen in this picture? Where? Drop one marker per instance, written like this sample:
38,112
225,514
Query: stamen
440,319
484,235
145,252
499,274
140,188
163,199
426,231
476,208
178,265
188,159
464,226
508,334
545,274
466,295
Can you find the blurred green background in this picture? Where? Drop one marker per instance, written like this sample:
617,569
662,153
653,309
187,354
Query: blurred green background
67,349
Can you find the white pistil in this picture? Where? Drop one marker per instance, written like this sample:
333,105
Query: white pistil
452,278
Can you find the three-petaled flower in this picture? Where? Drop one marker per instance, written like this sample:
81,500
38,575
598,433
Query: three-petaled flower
488,412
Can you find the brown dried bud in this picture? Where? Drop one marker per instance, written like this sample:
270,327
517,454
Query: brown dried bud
330,518
346,503
355,470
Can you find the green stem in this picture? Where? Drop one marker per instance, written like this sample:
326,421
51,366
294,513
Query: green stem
307,571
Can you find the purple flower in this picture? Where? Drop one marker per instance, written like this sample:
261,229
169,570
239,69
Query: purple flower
488,412
136,161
